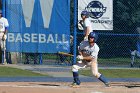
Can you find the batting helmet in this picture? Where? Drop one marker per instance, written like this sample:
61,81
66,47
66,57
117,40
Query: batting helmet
93,35
85,13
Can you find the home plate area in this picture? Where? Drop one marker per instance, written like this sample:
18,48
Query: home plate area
63,87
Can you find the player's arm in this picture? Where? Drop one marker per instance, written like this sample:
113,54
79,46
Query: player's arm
80,52
93,56
82,57
88,58
87,31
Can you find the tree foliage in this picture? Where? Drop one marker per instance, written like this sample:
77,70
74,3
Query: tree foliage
126,19
0,4
126,15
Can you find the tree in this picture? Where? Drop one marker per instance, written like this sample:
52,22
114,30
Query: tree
126,19
126,15
0,4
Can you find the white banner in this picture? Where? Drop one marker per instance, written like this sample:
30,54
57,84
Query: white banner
101,13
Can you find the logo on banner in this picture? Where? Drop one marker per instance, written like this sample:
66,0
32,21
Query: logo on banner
96,9
46,12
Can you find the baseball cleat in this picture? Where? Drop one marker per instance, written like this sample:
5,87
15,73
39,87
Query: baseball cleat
107,85
74,85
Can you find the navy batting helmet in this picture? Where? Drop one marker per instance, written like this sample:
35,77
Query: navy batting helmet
93,35
85,13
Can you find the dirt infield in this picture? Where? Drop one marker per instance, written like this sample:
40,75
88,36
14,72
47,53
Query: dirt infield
58,87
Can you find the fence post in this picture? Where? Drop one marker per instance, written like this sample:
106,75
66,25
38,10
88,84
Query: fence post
40,58
75,31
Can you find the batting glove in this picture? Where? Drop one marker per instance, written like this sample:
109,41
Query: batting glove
80,57
79,61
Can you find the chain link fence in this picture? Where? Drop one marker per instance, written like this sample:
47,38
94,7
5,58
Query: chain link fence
115,46
115,51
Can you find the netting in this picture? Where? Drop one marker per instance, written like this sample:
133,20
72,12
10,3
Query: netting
116,46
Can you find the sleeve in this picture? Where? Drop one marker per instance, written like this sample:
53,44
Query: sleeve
6,24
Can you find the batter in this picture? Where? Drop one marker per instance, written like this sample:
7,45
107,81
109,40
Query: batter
88,55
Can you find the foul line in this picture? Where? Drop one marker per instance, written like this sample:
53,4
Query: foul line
24,86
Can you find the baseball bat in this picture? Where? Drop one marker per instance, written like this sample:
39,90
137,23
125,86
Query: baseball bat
66,54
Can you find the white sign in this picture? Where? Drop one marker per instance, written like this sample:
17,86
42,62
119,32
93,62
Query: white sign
100,12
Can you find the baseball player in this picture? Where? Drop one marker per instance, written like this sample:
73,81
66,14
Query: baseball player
88,54
86,24
3,30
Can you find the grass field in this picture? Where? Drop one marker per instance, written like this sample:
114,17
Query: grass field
115,73
15,72
110,73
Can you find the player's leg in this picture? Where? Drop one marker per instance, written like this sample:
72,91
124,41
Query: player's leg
104,80
133,54
75,69
94,69
35,57
132,61
3,57
8,58
3,48
26,58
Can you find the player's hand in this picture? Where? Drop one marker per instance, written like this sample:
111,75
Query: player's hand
80,57
79,61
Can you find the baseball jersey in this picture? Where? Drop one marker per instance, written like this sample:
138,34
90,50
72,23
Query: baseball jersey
89,50
3,23
86,24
